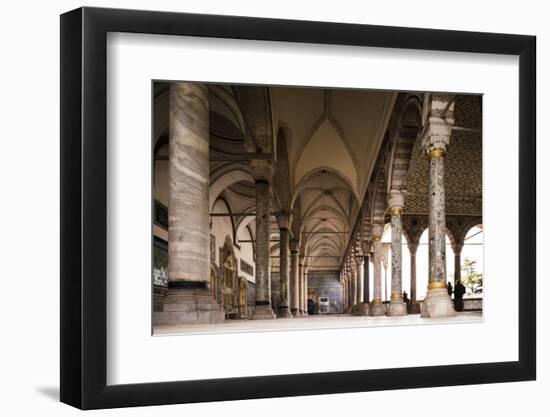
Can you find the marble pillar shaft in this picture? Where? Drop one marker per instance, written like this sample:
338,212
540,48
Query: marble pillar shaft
305,290
188,172
458,264
301,288
263,284
294,281
366,279
436,222
360,280
353,286
396,256
413,276
377,270
283,268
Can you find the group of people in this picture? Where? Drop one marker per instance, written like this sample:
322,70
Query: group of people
458,299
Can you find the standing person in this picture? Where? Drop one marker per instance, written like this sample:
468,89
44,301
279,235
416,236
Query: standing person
449,289
460,290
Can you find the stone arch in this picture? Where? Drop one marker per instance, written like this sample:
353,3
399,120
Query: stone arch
227,98
379,198
409,125
476,221
229,210
281,176
228,176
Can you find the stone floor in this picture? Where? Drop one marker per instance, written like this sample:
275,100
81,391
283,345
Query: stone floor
313,322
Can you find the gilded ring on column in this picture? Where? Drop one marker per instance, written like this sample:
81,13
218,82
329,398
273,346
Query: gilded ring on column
396,211
436,153
437,285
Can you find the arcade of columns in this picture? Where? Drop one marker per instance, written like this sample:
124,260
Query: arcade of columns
188,297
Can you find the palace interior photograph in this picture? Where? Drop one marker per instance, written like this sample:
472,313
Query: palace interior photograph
291,207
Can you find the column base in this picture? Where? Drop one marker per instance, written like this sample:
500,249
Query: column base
263,312
305,314
377,309
295,312
284,313
397,308
188,306
414,308
437,304
362,309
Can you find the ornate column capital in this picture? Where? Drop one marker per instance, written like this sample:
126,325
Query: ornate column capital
262,169
283,219
366,246
435,137
412,248
294,245
396,202
457,248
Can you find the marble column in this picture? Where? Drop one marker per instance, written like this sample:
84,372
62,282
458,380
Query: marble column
435,139
360,277
189,298
366,273
306,271
414,307
353,283
349,302
301,287
377,308
294,278
396,202
262,171
458,263
344,293
283,311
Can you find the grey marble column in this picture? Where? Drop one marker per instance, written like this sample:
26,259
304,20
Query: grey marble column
301,286
360,277
353,283
435,140
283,220
344,293
377,308
366,272
294,278
414,307
396,202
458,263
188,299
306,271
262,171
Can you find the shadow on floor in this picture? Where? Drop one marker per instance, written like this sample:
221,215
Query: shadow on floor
50,392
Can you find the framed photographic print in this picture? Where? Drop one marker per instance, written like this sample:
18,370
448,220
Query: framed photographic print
257,208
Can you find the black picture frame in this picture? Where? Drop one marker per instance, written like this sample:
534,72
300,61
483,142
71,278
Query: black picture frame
84,207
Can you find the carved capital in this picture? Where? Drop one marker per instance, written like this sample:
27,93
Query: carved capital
283,219
396,202
412,248
435,137
366,247
262,169
294,245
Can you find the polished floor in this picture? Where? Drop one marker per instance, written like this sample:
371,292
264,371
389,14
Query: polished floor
314,322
